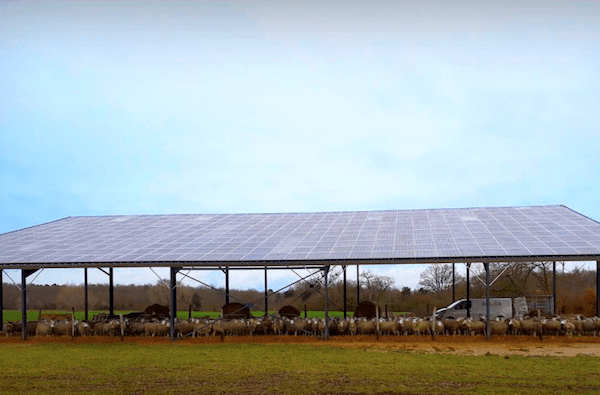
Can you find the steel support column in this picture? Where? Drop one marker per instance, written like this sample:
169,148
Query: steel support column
173,288
226,286
85,286
345,295
486,265
24,274
24,304
1,302
111,294
326,272
357,286
468,291
554,287
266,294
597,288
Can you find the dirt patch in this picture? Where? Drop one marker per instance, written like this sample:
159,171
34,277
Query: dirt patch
462,345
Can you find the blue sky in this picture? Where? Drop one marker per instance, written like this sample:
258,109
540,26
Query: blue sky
231,107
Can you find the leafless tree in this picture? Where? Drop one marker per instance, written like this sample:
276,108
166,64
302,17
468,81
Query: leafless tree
375,285
542,271
437,277
518,275
70,296
160,293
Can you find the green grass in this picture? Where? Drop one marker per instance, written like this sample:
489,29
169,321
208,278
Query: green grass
178,368
32,315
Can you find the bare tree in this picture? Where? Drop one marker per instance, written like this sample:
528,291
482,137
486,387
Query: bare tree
161,292
517,274
196,301
542,271
437,277
376,285
70,296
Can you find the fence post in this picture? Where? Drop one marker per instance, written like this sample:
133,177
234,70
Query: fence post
72,323
122,326
433,323
377,318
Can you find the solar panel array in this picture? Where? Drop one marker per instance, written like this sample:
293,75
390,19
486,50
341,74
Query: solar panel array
254,238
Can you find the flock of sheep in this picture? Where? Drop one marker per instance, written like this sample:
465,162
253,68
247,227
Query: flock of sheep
49,325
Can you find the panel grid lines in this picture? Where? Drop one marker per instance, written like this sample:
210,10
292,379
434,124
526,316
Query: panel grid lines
359,235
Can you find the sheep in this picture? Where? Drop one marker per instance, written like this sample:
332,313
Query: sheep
342,327
237,327
437,327
63,328
530,327
420,327
452,327
16,327
184,328
551,327
332,326
514,326
253,324
406,326
157,328
597,323
44,328
321,326
568,327
578,326
588,327
266,325
498,327
107,328
203,328
352,327
313,325
475,327
277,326
136,328
9,329
234,327
389,327
219,328
84,329
366,327
297,325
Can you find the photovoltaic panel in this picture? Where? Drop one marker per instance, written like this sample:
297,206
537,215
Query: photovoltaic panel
417,235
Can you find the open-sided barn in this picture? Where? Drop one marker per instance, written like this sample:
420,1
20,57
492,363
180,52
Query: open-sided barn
302,240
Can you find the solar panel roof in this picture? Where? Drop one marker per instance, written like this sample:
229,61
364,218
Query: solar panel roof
403,236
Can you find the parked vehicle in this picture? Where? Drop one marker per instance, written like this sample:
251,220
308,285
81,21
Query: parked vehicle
499,308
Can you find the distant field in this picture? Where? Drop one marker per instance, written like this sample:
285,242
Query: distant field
32,315
178,368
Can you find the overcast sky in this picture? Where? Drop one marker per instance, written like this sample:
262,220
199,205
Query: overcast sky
292,106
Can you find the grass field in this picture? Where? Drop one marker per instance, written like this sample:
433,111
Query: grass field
32,315
178,368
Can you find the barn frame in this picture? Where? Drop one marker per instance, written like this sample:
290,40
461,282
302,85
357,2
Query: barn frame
301,240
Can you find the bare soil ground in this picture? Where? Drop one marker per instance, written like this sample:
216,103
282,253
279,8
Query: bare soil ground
461,345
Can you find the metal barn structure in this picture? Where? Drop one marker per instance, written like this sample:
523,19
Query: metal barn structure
301,240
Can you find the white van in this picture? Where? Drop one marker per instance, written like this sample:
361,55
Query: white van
499,307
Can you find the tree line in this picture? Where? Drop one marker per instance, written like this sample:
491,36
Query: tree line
575,291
